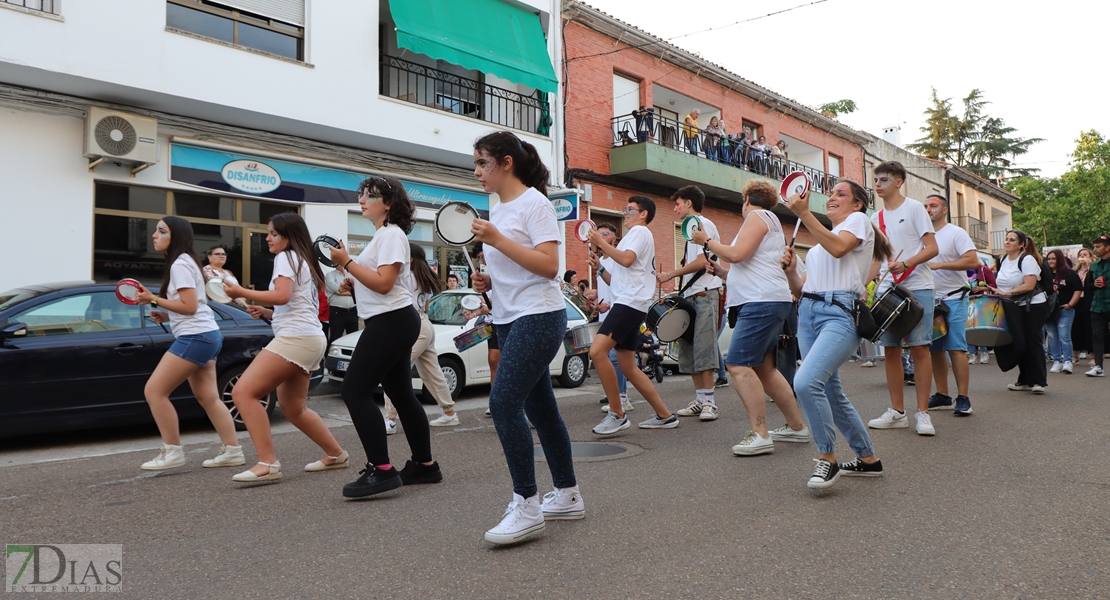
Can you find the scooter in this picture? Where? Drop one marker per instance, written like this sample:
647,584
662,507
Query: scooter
654,365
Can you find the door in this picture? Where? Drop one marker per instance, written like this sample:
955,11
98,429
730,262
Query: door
260,262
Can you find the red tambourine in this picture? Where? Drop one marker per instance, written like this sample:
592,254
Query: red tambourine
583,228
127,290
795,183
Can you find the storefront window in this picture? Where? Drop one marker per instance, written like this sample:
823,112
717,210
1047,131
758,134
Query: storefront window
134,199
261,212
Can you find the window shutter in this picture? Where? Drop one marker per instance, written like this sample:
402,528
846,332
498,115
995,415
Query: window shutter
288,11
626,95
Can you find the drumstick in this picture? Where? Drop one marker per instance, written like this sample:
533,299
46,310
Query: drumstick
797,224
878,285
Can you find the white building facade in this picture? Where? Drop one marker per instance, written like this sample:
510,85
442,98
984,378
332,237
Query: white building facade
114,114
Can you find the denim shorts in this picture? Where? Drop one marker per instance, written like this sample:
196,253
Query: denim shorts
758,326
922,334
198,348
956,338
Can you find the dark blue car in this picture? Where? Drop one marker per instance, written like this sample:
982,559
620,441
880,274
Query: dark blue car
72,356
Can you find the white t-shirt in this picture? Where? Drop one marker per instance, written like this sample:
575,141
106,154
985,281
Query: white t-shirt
905,227
185,274
604,292
300,317
826,273
389,246
528,220
634,286
952,242
1009,276
419,297
693,251
760,278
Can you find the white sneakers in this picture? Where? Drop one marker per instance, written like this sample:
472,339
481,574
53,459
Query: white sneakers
1068,367
786,434
523,520
229,456
891,419
754,444
1056,367
708,412
925,424
563,504
445,421
626,406
169,458
390,426
1096,371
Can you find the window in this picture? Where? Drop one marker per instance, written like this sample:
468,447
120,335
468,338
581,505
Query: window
626,95
982,212
235,26
84,313
754,130
46,6
834,166
960,204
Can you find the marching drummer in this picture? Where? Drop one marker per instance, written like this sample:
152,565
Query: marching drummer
906,224
632,282
699,359
955,256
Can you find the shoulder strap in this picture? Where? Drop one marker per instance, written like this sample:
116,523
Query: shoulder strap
882,222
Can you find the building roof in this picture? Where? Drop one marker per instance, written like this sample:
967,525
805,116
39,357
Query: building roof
976,181
574,10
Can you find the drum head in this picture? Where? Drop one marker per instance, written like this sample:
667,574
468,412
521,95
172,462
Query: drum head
583,228
795,183
470,302
322,252
689,226
215,291
453,223
127,290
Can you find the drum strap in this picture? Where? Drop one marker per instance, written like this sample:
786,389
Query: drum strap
882,227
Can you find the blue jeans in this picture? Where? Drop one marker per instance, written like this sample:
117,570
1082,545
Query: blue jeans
827,337
722,371
622,383
1059,336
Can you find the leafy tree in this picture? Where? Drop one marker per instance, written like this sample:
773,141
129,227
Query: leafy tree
838,107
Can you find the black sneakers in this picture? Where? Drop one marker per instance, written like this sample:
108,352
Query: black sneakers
415,472
372,481
825,475
963,406
858,468
939,401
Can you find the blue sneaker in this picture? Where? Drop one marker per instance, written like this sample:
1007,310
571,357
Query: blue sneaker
963,406
939,401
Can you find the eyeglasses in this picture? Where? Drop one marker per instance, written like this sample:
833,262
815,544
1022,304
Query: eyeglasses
628,212
218,254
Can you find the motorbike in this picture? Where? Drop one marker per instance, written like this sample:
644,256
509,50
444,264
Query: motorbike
653,367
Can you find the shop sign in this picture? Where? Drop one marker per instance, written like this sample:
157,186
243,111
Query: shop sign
251,176
566,207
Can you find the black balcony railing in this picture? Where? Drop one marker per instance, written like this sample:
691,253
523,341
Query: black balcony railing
975,228
46,6
676,135
419,84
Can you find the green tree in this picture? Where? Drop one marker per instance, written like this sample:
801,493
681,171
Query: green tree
839,107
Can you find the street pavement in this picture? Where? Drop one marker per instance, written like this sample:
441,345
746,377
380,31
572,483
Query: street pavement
1010,502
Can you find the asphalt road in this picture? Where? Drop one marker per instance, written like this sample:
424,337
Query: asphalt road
1008,503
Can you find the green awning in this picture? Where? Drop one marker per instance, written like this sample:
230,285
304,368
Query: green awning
490,36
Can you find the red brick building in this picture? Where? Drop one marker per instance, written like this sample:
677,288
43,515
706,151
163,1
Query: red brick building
612,69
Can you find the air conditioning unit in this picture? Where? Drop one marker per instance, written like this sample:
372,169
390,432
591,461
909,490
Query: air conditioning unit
120,137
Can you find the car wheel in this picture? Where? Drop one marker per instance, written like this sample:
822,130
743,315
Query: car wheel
452,374
226,382
668,372
574,371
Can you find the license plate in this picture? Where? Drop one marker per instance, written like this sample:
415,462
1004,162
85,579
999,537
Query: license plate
342,365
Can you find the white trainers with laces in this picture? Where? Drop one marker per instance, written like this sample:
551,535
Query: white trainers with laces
445,421
229,456
626,406
754,444
693,409
523,520
565,504
925,424
984,358
1056,366
168,458
891,419
390,426
1096,371
709,412
972,359
786,434
1068,367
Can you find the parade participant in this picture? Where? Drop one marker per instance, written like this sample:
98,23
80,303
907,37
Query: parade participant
521,245
341,301
835,271
759,293
192,356
1069,288
956,255
699,359
217,259
1098,287
1019,272
424,284
288,361
906,224
382,355
632,282
604,269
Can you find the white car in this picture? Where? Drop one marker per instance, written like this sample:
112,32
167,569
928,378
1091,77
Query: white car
470,367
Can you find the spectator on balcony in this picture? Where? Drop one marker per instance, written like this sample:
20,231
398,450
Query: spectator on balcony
713,139
779,149
759,156
645,123
741,144
690,131
725,145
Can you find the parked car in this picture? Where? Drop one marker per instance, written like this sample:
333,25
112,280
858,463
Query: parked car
72,356
470,367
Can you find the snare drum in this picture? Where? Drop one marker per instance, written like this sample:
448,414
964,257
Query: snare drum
672,318
896,311
579,339
986,322
468,339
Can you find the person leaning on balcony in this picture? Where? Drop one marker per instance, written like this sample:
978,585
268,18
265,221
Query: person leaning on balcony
713,139
724,156
645,123
690,131
779,149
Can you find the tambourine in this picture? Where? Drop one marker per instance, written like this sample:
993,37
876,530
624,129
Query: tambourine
322,252
795,183
470,302
127,290
215,290
454,222
583,228
689,225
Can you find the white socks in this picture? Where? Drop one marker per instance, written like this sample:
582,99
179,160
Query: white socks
705,396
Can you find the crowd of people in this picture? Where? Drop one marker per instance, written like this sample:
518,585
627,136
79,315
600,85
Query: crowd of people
907,244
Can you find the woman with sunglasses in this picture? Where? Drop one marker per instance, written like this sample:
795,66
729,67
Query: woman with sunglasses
521,247
382,356
287,362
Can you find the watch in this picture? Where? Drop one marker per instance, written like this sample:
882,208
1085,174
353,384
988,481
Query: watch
154,301
600,270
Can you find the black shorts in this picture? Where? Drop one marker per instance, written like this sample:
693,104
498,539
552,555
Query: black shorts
623,325
492,341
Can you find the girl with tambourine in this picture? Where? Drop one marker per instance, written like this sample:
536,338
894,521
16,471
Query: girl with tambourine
287,362
834,280
382,355
192,356
521,246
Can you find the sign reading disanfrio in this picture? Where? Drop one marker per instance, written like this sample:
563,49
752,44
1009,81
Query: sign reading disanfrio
63,568
251,176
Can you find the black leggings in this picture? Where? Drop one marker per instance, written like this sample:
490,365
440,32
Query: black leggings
382,356
1031,367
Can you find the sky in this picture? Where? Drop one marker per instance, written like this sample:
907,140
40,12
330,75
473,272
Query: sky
1040,64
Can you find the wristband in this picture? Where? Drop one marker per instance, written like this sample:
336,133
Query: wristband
600,270
348,264
905,265
154,301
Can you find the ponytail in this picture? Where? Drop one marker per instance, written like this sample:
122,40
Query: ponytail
1027,245
883,250
426,278
527,166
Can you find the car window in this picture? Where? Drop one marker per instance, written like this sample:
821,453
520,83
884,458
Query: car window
573,313
82,313
444,309
9,299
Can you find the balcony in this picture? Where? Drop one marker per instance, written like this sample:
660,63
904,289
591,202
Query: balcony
997,239
433,88
666,152
975,228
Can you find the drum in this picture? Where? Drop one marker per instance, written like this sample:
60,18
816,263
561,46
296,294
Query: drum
453,223
986,322
580,338
671,318
468,339
215,291
896,311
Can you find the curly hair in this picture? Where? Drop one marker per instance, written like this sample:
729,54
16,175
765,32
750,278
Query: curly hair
761,193
402,211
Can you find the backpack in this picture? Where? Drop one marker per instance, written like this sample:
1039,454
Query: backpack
1051,295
